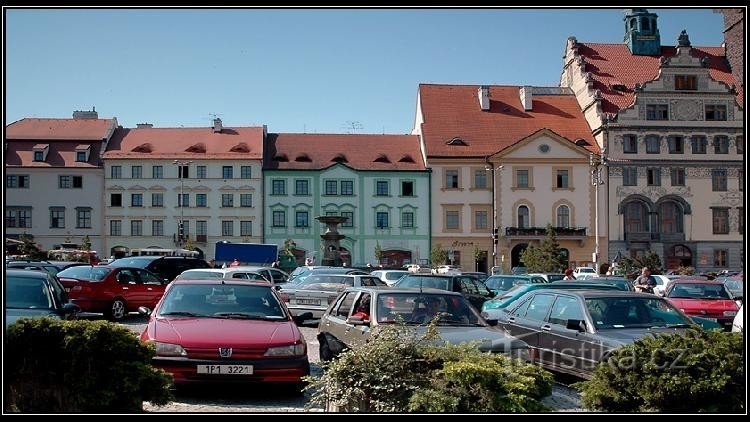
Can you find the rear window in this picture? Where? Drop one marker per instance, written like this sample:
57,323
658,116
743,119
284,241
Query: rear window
85,273
441,283
26,293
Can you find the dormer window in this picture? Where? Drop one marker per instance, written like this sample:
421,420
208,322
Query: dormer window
82,153
341,158
456,141
382,158
406,159
40,152
303,158
619,87
282,158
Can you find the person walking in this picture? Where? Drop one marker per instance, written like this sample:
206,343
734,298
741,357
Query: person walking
569,275
235,263
645,283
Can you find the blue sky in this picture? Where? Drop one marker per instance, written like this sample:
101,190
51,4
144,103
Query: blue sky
312,70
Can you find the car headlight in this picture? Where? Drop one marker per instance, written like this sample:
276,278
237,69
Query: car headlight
292,350
169,349
730,313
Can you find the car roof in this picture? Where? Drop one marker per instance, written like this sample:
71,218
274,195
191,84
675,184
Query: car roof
27,273
222,281
695,281
590,294
386,290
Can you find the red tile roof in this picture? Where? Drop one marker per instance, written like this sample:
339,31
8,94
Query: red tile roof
186,143
307,151
61,154
451,111
61,129
611,64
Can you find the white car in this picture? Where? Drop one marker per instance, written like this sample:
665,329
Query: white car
389,277
738,323
233,272
584,270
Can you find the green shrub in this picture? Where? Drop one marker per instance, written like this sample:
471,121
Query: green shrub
399,370
694,371
79,366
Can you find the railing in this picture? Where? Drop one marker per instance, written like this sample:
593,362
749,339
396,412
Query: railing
641,236
542,231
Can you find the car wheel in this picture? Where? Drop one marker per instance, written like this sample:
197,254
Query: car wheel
117,310
325,351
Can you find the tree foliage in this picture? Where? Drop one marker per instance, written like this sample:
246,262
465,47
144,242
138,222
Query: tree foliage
86,243
548,257
30,249
378,252
438,255
630,266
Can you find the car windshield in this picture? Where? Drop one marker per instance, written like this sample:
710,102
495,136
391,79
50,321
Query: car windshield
698,291
325,282
85,272
221,301
137,262
504,282
421,308
395,275
633,312
27,293
424,282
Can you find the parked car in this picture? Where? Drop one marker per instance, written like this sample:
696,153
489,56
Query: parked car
389,277
584,270
703,298
314,293
620,282
347,324
226,331
476,274
500,284
506,299
166,267
231,273
549,277
571,331
474,290
114,291
738,325
36,293
300,273
34,265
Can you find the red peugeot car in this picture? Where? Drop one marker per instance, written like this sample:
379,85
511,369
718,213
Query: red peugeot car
703,298
226,330
114,291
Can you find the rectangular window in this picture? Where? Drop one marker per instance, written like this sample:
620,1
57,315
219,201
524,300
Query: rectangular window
77,182
653,144
200,172
302,187
480,220
381,220
653,177
716,112
699,144
381,188
331,187
157,172
183,200
17,181
657,112
57,217
136,228
677,176
279,219
720,257
115,228
227,172
480,179
630,176
720,220
186,228
157,228
136,199
685,82
227,200
562,179
227,228
721,144
301,219
451,220
201,229
38,155
719,180
451,179
347,187
83,218
740,144
676,144
407,188
115,200
246,199
116,172
407,220
183,172
157,199
350,221
81,156
278,187
201,200
246,228
136,172
522,178
629,144
65,182
246,172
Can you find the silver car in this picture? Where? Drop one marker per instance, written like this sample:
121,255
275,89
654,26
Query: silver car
316,292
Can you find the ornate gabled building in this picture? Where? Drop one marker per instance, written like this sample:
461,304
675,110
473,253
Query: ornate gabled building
670,124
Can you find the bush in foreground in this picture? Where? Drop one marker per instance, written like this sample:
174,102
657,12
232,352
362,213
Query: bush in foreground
694,371
79,366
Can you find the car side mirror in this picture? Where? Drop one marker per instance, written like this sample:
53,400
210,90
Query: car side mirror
301,318
357,320
492,322
576,324
142,310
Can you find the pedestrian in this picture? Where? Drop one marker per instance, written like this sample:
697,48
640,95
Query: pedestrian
212,263
235,263
569,275
645,283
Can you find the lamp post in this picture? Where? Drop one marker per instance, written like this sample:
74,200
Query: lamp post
495,234
596,164
180,224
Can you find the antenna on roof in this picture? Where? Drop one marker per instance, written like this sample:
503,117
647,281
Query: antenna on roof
351,126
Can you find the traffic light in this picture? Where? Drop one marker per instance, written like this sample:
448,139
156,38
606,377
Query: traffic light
494,235
182,230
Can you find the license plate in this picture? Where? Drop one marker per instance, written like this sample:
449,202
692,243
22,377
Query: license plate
710,319
226,369
308,301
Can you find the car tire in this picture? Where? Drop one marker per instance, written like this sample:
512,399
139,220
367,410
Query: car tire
325,351
117,310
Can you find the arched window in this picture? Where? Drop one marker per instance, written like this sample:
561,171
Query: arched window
670,218
563,216
636,218
523,216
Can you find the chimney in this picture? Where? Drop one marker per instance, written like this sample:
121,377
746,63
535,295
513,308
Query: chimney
484,97
525,94
83,115
144,125
217,125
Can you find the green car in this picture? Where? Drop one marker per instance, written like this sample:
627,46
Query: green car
508,297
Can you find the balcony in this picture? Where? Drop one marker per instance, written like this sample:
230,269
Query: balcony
201,238
541,232
641,237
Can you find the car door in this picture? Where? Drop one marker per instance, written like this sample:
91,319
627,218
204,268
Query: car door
130,288
565,349
525,322
153,288
357,334
333,323
470,292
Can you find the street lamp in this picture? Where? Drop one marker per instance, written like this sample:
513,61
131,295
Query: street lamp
596,164
494,213
181,223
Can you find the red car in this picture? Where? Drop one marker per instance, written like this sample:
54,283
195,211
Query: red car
226,330
114,291
703,298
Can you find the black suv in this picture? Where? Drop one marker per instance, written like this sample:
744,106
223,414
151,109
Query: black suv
166,267
472,289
